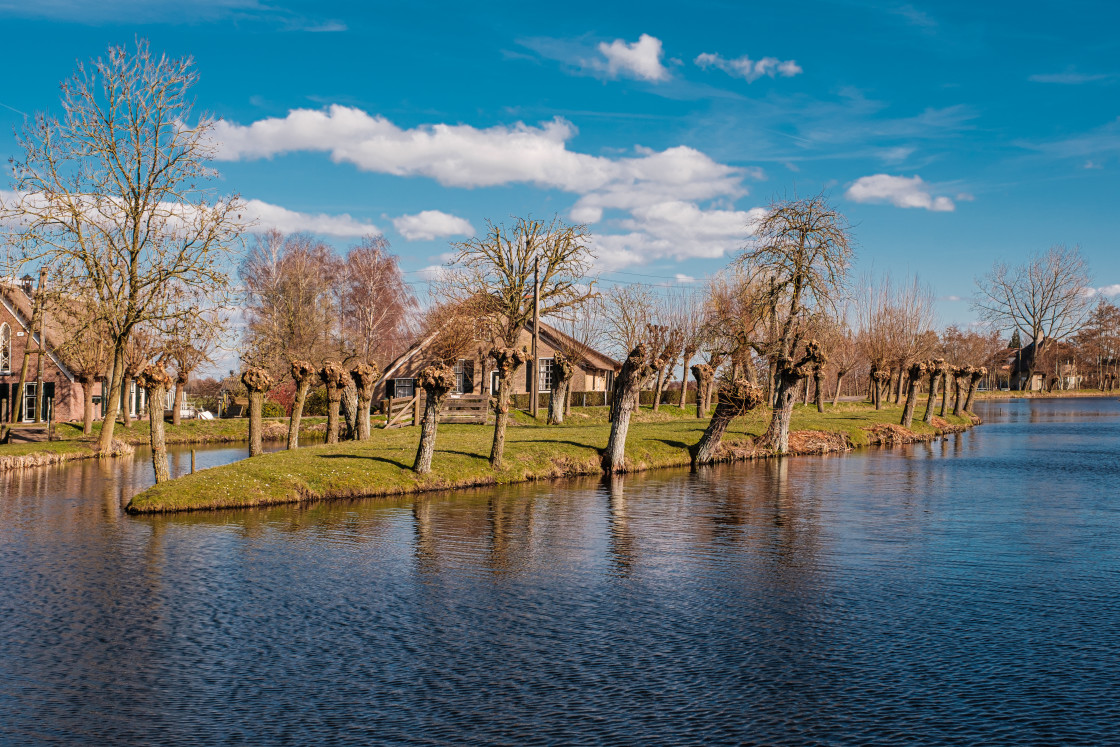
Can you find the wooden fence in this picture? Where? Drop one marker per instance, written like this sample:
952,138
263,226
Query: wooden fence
466,408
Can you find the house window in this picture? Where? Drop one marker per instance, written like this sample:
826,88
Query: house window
5,348
544,375
404,388
460,366
30,397
493,382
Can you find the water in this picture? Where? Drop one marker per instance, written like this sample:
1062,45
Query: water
964,591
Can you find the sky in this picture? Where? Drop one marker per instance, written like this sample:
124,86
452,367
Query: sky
951,135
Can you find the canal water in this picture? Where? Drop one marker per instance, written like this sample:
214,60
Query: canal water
964,591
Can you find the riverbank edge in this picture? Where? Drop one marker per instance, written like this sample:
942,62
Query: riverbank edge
802,443
49,453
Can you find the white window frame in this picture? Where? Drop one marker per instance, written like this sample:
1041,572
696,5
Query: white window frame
493,382
411,384
5,348
544,374
460,370
30,394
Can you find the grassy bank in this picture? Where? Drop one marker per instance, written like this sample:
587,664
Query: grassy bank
381,466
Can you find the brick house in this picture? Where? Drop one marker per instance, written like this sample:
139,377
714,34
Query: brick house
594,373
62,393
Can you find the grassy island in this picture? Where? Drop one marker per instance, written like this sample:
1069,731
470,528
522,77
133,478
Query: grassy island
381,466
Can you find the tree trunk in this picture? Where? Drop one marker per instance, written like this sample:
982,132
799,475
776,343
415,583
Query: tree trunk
126,399
818,381
946,390
839,380
934,378
349,408
297,413
562,372
777,433
335,378
684,382
657,384
87,405
976,377
732,401
913,380
364,376
302,373
257,382
958,398
256,401
113,402
437,382
704,375
624,399
155,381
180,395
507,361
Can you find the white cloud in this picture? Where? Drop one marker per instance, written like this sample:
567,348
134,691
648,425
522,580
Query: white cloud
668,197
899,191
684,279
431,224
265,216
1106,290
677,230
641,59
747,69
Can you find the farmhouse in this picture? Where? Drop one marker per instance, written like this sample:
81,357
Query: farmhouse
476,375
63,397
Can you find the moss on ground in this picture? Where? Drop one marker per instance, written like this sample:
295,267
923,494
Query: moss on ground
382,465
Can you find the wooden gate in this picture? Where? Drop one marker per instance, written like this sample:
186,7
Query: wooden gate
402,411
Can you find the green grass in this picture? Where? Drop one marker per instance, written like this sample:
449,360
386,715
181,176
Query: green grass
382,465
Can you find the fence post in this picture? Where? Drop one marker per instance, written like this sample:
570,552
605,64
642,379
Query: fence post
416,407
387,406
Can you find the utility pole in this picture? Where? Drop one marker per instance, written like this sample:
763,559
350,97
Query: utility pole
40,406
534,379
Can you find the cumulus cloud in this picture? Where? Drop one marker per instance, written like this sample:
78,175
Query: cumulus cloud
668,197
747,69
640,59
265,216
432,224
899,191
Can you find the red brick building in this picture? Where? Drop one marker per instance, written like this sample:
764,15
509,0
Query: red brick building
62,393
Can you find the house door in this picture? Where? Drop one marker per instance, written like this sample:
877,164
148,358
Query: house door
30,394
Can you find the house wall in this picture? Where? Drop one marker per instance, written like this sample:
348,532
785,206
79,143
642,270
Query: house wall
68,397
594,380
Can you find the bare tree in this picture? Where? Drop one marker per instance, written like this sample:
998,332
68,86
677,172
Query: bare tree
499,270
803,249
377,305
290,301
83,346
113,196
1045,298
692,312
579,332
626,313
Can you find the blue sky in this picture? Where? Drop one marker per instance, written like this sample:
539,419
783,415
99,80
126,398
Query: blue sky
951,134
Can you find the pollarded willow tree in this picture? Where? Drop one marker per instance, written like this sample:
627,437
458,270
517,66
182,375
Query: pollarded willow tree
497,272
803,249
114,197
